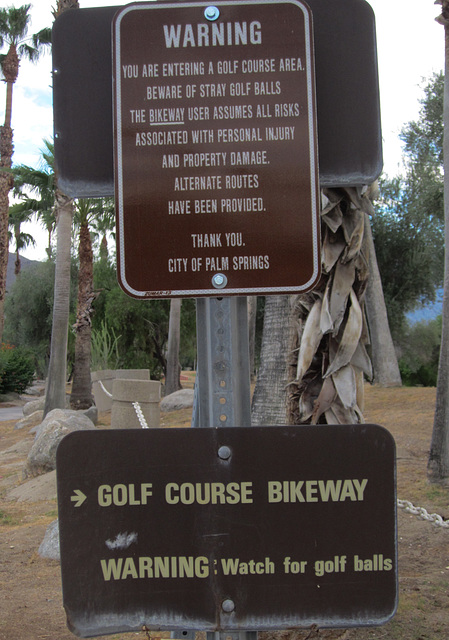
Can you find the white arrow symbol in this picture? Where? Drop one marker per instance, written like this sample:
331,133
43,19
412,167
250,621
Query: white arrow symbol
78,497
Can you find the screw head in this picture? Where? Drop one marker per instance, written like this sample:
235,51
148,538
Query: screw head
211,13
228,605
219,281
224,452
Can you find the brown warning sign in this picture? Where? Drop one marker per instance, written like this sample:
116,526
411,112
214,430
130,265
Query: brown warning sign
250,528
215,149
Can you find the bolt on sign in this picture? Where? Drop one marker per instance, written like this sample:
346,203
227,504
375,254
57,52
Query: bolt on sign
216,170
256,528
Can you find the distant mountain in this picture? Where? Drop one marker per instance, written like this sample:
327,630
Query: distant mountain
26,264
427,311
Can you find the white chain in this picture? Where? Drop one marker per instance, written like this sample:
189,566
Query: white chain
434,518
104,389
136,405
140,416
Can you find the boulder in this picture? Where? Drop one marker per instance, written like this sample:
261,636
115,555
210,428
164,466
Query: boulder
181,399
49,547
31,420
57,424
33,405
39,405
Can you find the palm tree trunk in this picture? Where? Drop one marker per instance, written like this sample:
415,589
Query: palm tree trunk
269,404
438,463
172,377
81,395
385,362
18,262
57,371
8,110
10,68
6,184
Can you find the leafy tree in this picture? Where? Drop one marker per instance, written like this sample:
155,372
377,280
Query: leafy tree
409,252
143,327
408,227
28,310
14,25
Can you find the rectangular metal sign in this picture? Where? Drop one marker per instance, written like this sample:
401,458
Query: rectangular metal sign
253,528
348,109
216,158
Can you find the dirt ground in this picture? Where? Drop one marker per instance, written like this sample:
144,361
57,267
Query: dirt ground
31,602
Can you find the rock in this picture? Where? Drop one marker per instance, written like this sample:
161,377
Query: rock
35,489
32,420
37,388
56,424
49,547
39,404
34,405
181,399
92,413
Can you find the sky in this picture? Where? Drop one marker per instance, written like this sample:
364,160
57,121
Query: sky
410,47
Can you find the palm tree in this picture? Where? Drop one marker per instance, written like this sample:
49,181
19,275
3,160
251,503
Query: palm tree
36,190
104,224
269,403
326,359
14,24
18,214
57,370
88,210
331,337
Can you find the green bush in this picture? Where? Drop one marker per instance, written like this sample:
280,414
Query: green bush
104,348
16,368
419,353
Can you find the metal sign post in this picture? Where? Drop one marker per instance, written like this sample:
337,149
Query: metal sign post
223,378
222,387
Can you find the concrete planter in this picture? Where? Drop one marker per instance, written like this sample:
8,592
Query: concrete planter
146,392
106,377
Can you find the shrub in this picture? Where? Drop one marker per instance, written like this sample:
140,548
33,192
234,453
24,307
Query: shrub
104,348
16,368
420,350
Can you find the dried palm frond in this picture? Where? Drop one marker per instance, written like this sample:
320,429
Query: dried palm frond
330,352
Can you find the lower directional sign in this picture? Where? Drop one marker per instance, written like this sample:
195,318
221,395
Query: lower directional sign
227,529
